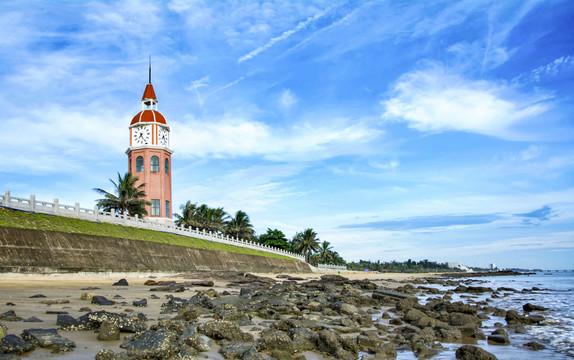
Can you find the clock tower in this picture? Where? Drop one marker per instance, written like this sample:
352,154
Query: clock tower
149,156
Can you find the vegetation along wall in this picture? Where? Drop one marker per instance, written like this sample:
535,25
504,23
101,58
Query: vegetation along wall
28,250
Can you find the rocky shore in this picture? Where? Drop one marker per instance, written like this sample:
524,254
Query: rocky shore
233,315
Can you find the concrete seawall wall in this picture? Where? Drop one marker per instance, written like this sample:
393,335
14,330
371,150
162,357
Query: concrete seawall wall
37,251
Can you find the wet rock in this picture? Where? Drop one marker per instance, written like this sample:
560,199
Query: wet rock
223,329
499,312
3,330
533,345
108,332
150,283
10,315
140,303
252,354
424,352
48,338
33,319
369,342
123,322
196,340
498,339
425,336
234,350
276,340
100,300
12,344
151,344
407,303
413,315
121,282
344,309
514,318
457,319
469,352
55,302
328,341
449,335
69,323
37,296
528,307
388,352
9,357
87,296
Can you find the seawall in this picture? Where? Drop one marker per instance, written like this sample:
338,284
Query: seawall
38,251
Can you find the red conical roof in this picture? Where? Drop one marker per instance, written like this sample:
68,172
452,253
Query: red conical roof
148,92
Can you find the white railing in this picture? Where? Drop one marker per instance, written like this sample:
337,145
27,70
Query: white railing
336,267
95,214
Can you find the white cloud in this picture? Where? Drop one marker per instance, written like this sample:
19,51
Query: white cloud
434,100
287,99
237,136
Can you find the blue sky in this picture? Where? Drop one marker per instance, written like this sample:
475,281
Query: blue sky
436,130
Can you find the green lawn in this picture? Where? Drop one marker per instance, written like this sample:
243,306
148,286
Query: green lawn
26,220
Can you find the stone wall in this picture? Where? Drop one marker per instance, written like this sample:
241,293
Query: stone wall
37,251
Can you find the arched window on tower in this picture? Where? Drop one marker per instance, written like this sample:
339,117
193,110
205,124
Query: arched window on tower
139,164
166,166
154,163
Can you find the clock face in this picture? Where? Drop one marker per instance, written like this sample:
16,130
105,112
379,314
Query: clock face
141,135
163,137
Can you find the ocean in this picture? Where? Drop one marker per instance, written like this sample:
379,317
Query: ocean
556,332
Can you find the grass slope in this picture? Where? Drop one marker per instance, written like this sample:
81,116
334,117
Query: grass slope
27,220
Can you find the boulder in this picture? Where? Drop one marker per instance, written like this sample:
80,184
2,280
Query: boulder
387,352
234,350
369,342
48,338
413,315
100,300
10,315
498,339
533,345
223,329
449,335
469,352
68,323
328,341
528,307
140,303
161,344
123,322
108,331
276,340
12,344
121,282
3,330
458,319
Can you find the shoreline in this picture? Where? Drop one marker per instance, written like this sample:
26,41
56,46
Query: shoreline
380,320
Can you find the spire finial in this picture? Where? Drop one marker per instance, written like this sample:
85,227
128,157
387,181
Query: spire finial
150,68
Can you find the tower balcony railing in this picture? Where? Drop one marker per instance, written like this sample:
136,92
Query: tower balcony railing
97,215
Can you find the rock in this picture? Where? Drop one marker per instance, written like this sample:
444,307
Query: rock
334,278
140,303
55,302
499,312
413,315
56,312
425,336
457,319
87,296
276,340
449,335
328,341
68,323
150,283
121,282
12,344
369,342
386,316
3,330
252,354
469,352
528,307
533,345
108,332
424,352
9,357
160,344
395,321
234,350
123,322
223,329
33,319
500,331
388,352
206,283
498,339
514,318
407,303
37,296
10,315
48,338
197,341
100,300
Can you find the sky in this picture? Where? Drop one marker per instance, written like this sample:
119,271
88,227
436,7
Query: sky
397,130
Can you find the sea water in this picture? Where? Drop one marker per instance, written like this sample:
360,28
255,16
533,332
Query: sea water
556,332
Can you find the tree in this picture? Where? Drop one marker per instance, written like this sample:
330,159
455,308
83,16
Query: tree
128,198
239,226
325,255
274,238
189,216
306,243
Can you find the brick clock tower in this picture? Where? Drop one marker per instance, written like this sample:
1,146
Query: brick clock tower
149,156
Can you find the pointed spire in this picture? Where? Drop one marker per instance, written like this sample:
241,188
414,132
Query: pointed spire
148,98
149,68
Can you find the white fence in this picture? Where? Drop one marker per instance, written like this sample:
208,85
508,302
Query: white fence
334,267
95,214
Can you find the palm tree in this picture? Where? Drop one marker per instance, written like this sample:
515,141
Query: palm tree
189,215
325,252
129,198
239,226
306,243
216,219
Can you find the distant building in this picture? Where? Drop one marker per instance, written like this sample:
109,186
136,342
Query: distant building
492,266
454,265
